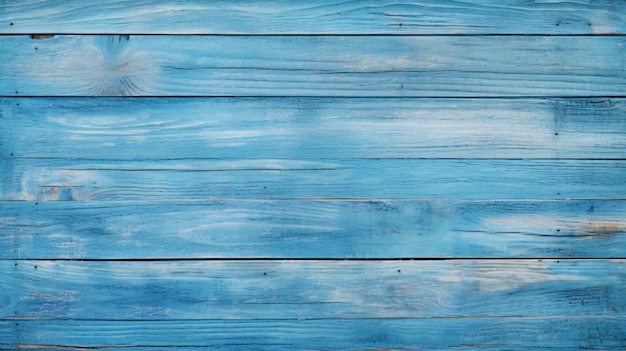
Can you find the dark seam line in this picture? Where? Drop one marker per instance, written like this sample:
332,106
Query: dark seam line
313,199
325,34
144,159
311,259
192,320
478,97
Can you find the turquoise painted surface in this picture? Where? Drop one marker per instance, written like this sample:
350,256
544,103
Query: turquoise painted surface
464,334
312,128
200,290
302,229
329,66
331,175
87,180
314,17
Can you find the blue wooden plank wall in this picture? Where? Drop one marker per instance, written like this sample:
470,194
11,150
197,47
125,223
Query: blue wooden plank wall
313,175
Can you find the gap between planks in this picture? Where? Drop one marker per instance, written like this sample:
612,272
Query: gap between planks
314,259
316,199
321,97
417,318
290,159
38,36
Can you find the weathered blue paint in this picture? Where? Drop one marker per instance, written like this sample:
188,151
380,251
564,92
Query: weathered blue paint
304,229
314,17
311,128
192,290
464,334
188,218
331,66
87,180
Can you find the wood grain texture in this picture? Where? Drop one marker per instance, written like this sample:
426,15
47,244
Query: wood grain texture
319,17
311,128
86,180
148,290
464,334
379,66
305,229
356,175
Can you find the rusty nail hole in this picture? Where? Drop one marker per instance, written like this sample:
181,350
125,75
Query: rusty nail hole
11,23
17,104
556,133
35,267
36,203
264,273
558,230
398,271
16,264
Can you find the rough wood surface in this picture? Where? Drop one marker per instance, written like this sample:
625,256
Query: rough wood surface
314,17
335,289
304,229
311,128
462,334
378,66
87,180
327,175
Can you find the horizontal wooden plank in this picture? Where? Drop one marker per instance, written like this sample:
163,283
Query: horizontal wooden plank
311,128
464,334
325,16
379,66
305,229
157,290
85,180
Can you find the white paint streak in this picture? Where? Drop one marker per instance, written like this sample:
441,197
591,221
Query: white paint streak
498,276
553,223
376,63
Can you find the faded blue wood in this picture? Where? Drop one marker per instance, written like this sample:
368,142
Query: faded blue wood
311,128
236,180
325,16
94,180
378,66
305,229
463,334
180,290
